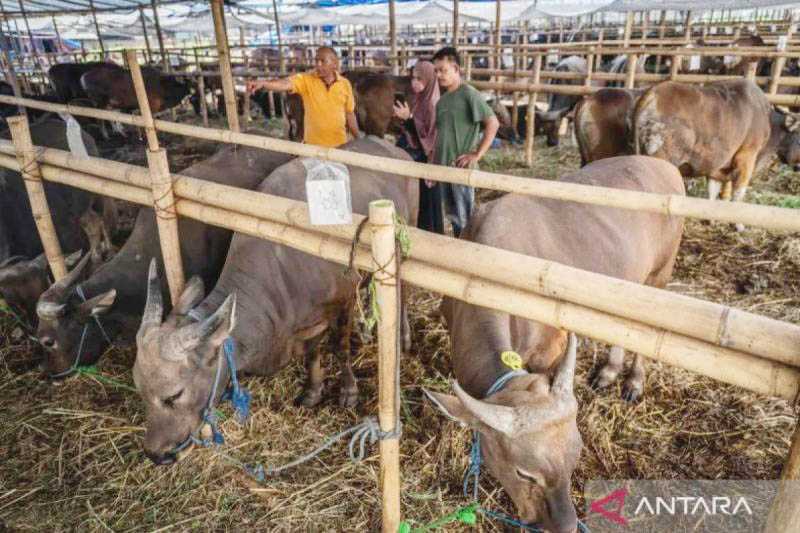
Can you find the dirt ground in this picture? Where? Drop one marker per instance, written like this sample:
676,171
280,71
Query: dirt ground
71,453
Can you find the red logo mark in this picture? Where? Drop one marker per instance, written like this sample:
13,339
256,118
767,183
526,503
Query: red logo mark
615,515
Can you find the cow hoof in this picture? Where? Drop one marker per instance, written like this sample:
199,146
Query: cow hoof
309,398
407,342
632,390
739,227
348,398
604,377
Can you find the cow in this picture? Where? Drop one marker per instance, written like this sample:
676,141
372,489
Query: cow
282,297
68,310
561,104
113,88
602,124
24,274
528,433
66,78
716,131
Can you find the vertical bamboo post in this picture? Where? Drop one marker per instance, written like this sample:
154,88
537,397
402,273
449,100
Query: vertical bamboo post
751,70
785,512
455,23
381,218
97,28
687,31
531,115
201,89
281,59
246,99
144,32
161,183
10,72
674,67
630,75
59,41
590,59
778,64
468,66
32,177
159,36
498,36
393,38
37,60
223,51
626,38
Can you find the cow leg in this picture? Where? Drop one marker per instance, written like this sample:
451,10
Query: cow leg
610,371
633,388
745,164
714,188
405,326
727,190
348,386
312,394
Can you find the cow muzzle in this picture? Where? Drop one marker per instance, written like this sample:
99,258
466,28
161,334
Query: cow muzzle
161,459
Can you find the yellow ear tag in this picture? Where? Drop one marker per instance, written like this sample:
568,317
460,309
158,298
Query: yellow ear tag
512,360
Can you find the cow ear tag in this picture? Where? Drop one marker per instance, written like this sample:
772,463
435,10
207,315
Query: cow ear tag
512,360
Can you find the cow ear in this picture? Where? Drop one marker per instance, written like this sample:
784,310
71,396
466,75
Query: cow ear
99,305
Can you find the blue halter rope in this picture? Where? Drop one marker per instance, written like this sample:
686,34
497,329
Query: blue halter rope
473,472
77,362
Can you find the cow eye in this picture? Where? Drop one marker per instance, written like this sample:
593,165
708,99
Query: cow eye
527,477
170,401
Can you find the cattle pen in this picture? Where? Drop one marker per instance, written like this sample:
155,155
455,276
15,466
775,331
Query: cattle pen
723,342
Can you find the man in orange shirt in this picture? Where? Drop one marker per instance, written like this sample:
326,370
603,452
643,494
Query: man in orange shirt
328,102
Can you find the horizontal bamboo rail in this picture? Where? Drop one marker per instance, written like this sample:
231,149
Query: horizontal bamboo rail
723,364
717,324
775,218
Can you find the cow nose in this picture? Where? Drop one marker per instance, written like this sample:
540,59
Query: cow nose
797,168
48,342
161,459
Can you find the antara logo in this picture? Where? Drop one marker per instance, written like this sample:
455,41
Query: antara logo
611,506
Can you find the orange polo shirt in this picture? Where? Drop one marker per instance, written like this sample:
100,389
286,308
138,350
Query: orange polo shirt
324,108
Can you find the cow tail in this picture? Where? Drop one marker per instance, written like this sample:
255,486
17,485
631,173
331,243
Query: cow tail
579,131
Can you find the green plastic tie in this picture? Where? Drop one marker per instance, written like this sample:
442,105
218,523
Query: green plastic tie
94,373
466,515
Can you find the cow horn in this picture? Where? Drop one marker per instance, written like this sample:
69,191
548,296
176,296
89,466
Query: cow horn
552,115
47,309
190,337
782,109
499,417
73,276
565,375
154,308
11,260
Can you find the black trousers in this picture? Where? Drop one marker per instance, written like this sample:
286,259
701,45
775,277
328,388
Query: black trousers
431,217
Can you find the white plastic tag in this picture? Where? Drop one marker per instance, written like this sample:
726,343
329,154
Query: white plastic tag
782,42
328,193
552,59
712,30
74,137
729,61
694,62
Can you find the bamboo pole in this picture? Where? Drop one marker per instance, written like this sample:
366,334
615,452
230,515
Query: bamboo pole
144,32
590,58
498,34
710,322
201,89
630,76
223,51
531,114
161,185
281,60
785,512
37,60
381,220
393,39
159,36
726,365
778,64
32,177
59,41
687,35
455,23
626,39
10,72
768,217
246,99
97,28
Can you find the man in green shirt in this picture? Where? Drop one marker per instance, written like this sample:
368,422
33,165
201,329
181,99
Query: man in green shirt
460,113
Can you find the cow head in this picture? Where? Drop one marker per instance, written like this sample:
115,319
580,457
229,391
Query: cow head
176,364
551,123
22,281
67,324
529,439
789,148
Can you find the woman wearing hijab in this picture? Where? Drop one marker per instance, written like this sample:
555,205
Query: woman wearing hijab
419,139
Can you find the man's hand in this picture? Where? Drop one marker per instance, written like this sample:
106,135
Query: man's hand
468,160
254,85
280,85
401,110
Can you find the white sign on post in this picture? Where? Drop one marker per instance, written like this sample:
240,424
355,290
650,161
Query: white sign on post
328,193
783,40
74,136
694,63
552,59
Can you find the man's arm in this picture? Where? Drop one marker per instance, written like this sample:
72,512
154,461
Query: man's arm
352,123
490,127
279,85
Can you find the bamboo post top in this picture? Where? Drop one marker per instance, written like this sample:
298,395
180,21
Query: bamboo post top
141,96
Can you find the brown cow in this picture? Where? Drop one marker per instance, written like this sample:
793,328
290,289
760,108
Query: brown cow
113,88
715,131
602,124
528,431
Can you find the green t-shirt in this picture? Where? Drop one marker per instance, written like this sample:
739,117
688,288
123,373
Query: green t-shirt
459,115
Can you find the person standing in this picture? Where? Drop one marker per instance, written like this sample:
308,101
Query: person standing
328,102
460,113
419,139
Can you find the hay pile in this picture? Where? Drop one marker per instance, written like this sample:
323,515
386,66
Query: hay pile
72,453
